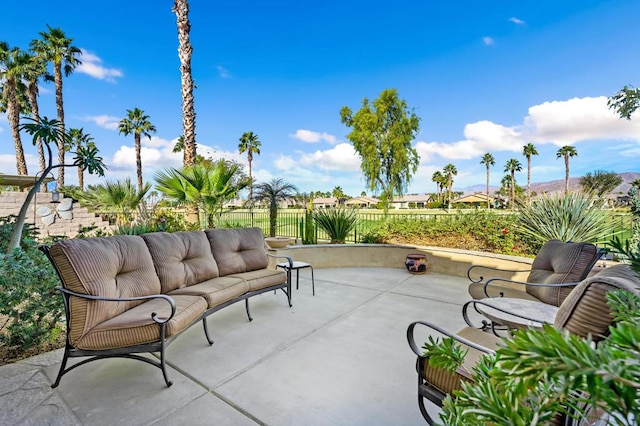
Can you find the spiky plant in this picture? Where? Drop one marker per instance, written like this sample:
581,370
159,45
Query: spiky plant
572,217
338,222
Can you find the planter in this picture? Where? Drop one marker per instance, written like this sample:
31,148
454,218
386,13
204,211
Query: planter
416,263
277,242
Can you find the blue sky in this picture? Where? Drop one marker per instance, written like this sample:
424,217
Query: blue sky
484,76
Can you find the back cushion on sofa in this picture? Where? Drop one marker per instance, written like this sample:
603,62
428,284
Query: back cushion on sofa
238,250
181,258
586,311
557,263
118,266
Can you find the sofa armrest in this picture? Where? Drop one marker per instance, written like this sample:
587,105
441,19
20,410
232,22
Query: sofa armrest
493,282
490,268
419,353
289,259
154,316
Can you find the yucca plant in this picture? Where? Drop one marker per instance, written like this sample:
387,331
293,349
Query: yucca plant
574,217
337,222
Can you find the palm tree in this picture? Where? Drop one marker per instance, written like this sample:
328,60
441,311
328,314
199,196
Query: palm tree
566,152
249,142
528,151
138,123
205,186
35,70
437,178
118,195
13,63
77,139
488,160
56,48
274,192
449,172
181,9
512,167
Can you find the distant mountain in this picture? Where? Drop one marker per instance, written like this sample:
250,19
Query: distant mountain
558,185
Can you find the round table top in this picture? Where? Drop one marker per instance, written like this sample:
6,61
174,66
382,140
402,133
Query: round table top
539,312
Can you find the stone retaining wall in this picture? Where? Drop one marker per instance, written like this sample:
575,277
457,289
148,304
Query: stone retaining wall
11,202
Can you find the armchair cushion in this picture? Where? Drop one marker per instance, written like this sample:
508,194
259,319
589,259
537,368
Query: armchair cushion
559,263
118,266
585,311
181,258
215,291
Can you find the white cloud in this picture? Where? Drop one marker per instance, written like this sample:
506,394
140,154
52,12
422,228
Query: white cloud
558,122
516,20
223,72
92,65
488,41
341,157
313,137
575,120
105,121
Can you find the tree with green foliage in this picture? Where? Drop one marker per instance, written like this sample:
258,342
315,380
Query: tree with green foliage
600,182
205,187
78,138
52,131
449,171
381,134
138,123
57,49
528,151
338,193
273,193
625,102
438,178
512,166
120,196
13,65
566,152
488,161
250,144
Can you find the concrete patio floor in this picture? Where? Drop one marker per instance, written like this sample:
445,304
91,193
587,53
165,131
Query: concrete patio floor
337,358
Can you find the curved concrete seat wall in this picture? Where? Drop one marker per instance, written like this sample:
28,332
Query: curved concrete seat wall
441,260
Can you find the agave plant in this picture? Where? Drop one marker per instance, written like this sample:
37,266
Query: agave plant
575,216
337,223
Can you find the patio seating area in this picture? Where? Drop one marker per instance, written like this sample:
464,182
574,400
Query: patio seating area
339,357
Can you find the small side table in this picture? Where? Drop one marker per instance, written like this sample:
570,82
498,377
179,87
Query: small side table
296,267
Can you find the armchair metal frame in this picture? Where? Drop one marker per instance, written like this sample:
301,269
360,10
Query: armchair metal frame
426,389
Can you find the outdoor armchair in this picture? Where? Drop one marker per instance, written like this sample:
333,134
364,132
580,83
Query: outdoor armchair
555,271
584,313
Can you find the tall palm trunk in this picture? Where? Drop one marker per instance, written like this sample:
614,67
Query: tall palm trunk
181,9
513,189
488,203
528,179
57,72
35,112
14,123
136,137
250,159
80,178
566,174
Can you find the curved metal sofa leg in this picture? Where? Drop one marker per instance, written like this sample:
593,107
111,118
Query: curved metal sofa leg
63,365
206,331
246,305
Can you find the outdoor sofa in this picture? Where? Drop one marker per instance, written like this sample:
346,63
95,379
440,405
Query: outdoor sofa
127,294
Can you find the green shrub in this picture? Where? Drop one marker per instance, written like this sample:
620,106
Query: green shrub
31,311
337,222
